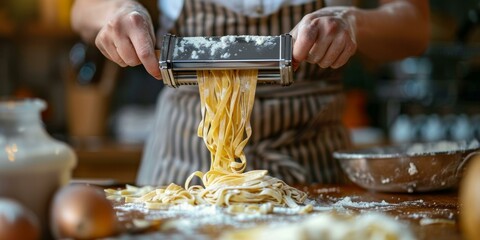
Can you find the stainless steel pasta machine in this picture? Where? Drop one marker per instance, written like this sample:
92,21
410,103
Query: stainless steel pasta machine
182,57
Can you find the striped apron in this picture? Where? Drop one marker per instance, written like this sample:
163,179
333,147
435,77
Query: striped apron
295,128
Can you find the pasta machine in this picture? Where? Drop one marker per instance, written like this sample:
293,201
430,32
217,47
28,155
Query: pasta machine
182,57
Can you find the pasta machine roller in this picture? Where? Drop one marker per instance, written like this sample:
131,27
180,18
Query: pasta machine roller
181,57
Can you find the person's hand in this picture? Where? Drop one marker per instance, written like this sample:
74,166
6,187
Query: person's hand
325,37
128,39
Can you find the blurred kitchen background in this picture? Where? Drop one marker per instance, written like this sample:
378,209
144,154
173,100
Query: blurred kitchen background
105,112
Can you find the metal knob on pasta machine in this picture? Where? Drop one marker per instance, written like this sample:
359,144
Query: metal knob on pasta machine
182,57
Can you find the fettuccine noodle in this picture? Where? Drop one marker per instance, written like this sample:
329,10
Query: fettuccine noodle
227,98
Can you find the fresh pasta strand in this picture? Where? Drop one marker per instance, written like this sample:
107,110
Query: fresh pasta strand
227,98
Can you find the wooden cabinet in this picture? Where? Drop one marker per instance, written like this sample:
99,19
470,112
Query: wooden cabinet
108,161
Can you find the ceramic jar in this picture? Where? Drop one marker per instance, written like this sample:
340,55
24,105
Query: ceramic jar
33,165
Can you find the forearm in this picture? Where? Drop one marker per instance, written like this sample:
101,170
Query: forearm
395,30
89,16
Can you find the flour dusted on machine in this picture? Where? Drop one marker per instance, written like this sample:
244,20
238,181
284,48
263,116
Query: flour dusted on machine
213,47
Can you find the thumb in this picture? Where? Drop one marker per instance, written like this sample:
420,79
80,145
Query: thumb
303,40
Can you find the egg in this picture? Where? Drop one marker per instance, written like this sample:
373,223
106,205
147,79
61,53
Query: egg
82,212
17,222
469,198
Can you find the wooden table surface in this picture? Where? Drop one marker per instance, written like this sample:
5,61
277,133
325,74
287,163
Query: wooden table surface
430,215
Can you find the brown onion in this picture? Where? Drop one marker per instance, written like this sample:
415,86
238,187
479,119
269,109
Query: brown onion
17,222
82,212
469,199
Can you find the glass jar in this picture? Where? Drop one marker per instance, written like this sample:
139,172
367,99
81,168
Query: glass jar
33,165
